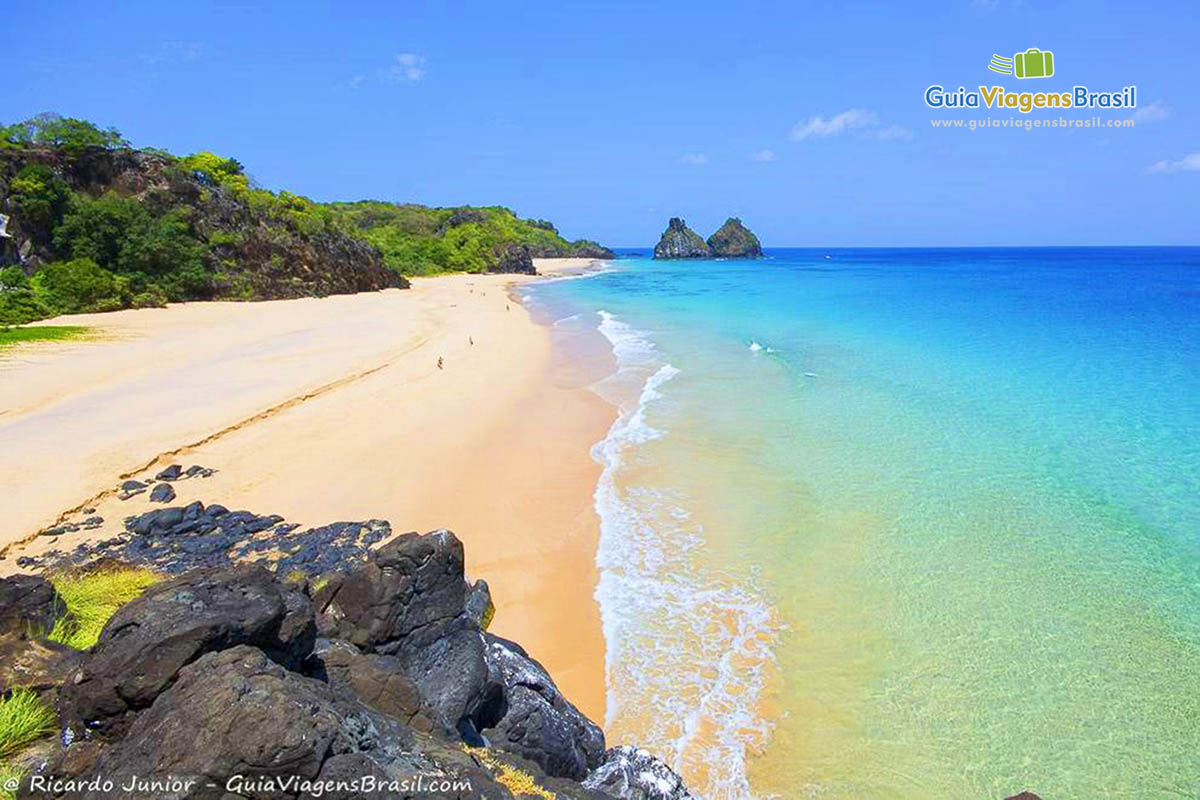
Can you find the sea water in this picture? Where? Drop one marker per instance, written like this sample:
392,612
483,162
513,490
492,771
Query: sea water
903,523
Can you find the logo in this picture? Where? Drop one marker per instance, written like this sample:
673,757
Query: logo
1033,63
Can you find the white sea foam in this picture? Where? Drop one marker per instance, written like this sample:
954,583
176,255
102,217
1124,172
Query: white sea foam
686,652
755,346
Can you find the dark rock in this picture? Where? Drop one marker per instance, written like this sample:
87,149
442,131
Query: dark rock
409,600
35,664
162,493
237,713
171,473
409,591
57,530
147,642
514,258
196,470
680,241
28,604
1024,796
537,722
461,216
379,681
734,240
131,486
629,773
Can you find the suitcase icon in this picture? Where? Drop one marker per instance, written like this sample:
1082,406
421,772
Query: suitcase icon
1034,63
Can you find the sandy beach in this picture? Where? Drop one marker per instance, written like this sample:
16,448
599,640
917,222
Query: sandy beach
333,409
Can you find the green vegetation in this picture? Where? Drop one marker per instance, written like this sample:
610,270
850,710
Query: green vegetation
419,240
102,226
92,598
24,718
9,776
41,333
63,133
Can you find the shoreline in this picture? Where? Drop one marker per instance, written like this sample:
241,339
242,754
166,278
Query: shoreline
331,409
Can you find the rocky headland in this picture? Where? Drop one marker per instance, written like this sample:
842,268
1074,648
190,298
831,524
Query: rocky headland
680,241
269,662
734,240
731,240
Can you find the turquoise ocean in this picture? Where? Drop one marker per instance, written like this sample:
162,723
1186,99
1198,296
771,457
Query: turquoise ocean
914,523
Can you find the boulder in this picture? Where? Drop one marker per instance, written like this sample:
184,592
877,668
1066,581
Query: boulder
28,604
680,241
171,473
147,642
734,240
378,681
236,723
162,493
536,721
405,594
630,773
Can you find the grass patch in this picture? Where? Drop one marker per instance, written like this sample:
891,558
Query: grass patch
9,776
92,598
517,781
39,333
23,718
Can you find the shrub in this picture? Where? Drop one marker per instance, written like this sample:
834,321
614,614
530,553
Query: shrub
80,285
24,718
224,172
92,598
13,278
21,306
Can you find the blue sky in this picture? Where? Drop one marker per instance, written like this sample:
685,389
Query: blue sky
805,119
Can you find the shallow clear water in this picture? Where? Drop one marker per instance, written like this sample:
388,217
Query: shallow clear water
904,523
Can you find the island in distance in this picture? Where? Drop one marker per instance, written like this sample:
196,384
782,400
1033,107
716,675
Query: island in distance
731,240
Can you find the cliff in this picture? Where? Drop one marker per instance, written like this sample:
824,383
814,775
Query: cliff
680,241
126,228
324,659
734,240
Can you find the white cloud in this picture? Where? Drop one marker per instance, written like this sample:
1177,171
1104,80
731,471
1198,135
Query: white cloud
695,159
848,120
852,120
1189,163
765,155
1155,112
408,67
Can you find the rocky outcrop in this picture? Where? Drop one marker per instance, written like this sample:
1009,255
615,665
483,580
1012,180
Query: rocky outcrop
680,241
537,722
237,715
630,773
147,642
217,676
734,240
28,605
514,258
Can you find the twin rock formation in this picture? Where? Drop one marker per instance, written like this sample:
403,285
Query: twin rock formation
732,240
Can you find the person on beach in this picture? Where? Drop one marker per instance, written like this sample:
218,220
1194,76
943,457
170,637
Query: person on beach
439,362
471,339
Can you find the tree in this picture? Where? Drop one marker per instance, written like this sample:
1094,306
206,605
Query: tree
66,133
